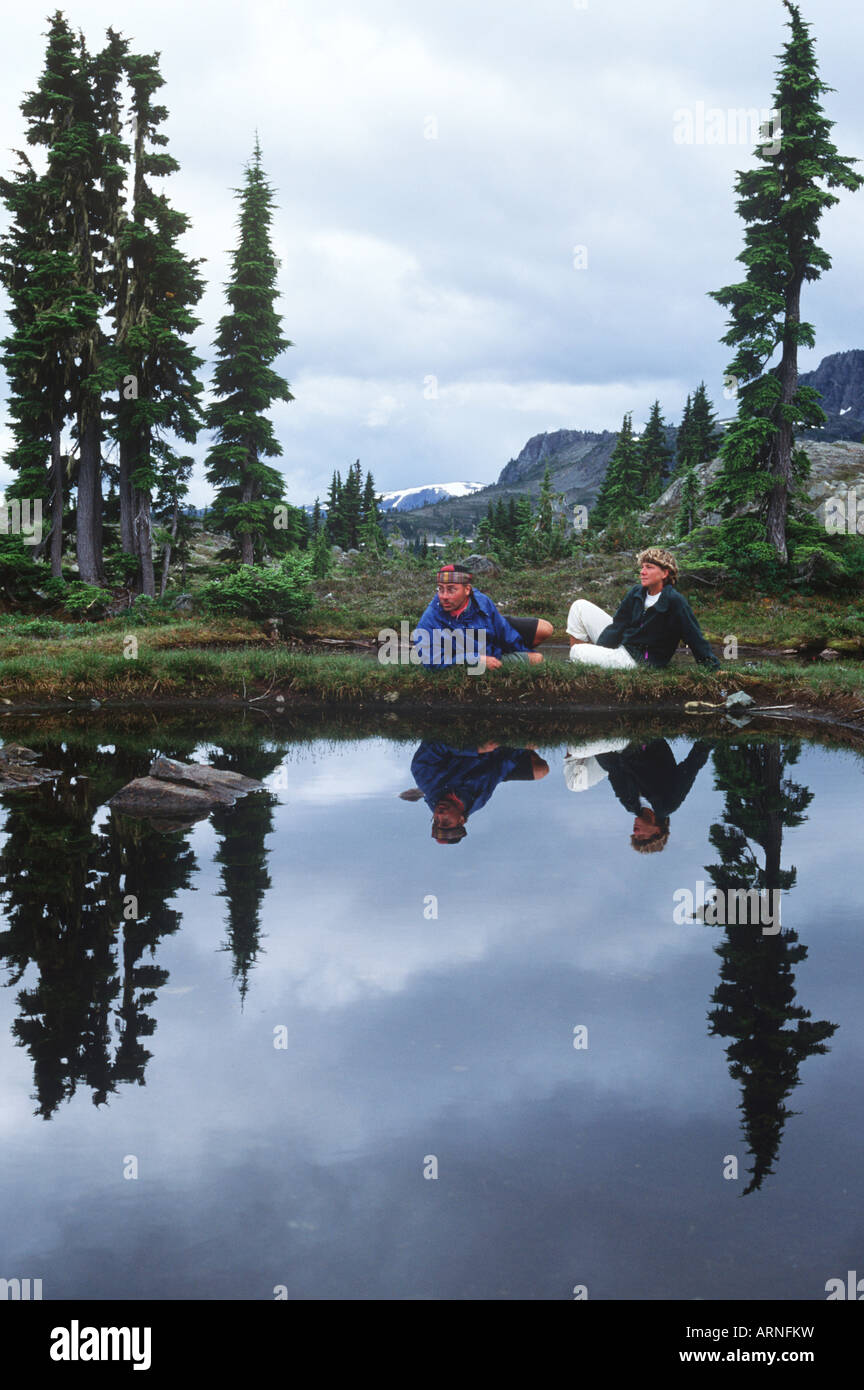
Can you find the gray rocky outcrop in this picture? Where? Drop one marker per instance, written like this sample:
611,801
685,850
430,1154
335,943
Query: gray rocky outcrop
181,792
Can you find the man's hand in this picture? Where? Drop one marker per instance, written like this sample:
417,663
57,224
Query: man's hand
486,747
535,658
492,663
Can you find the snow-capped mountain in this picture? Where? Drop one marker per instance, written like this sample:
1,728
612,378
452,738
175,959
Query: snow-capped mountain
409,497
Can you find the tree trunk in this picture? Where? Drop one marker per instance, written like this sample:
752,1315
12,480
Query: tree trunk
58,470
144,542
127,524
166,560
247,540
780,457
89,538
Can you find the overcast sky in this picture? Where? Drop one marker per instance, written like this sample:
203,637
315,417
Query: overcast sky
437,167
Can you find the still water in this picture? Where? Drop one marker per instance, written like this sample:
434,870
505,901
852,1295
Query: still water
307,1045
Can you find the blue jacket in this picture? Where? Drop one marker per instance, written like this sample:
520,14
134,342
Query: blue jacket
480,614
651,635
437,768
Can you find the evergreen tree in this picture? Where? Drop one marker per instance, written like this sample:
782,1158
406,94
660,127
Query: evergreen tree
707,436
316,518
322,556
782,203
335,528
547,537
175,526
371,535
654,454
57,346
246,385
687,517
621,490
685,443
155,287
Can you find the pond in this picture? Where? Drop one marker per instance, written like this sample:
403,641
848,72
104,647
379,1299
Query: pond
426,1021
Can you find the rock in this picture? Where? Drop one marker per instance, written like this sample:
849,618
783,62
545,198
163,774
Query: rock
151,796
828,655
17,753
183,603
352,551
17,772
229,785
481,564
337,552
273,628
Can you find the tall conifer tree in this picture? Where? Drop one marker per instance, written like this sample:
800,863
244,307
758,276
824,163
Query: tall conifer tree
782,202
655,454
249,341
621,490
155,288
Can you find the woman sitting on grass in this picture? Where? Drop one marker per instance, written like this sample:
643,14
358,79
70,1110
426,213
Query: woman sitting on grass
651,620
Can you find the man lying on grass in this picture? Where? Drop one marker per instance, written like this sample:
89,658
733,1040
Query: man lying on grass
461,626
651,620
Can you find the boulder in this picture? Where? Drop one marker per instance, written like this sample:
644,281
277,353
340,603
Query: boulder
151,796
183,603
229,785
481,564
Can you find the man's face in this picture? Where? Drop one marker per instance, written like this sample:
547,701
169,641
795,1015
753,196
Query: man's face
453,597
650,575
447,814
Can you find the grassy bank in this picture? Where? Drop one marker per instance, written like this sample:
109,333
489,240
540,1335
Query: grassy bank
237,666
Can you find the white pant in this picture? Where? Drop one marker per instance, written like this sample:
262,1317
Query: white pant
581,768
586,621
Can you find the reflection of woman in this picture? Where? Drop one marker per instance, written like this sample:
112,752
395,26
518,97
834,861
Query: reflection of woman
639,773
457,781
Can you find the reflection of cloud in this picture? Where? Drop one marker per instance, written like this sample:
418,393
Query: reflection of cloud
381,411
351,771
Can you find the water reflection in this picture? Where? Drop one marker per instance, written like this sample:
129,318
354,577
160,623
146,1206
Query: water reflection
85,902
421,1008
754,1002
638,772
456,782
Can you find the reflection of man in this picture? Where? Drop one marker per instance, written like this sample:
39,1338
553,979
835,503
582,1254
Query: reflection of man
651,620
640,772
457,781
461,623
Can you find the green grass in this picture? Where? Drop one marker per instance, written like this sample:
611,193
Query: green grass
80,670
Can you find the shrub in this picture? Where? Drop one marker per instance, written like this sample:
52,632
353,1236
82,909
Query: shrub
253,591
86,600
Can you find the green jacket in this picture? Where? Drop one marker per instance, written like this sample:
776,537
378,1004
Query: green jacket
652,634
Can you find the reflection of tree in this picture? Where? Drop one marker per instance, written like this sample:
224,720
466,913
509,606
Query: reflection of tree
62,883
754,1000
149,867
242,854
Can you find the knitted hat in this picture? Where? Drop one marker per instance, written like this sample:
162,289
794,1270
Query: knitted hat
453,574
655,556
